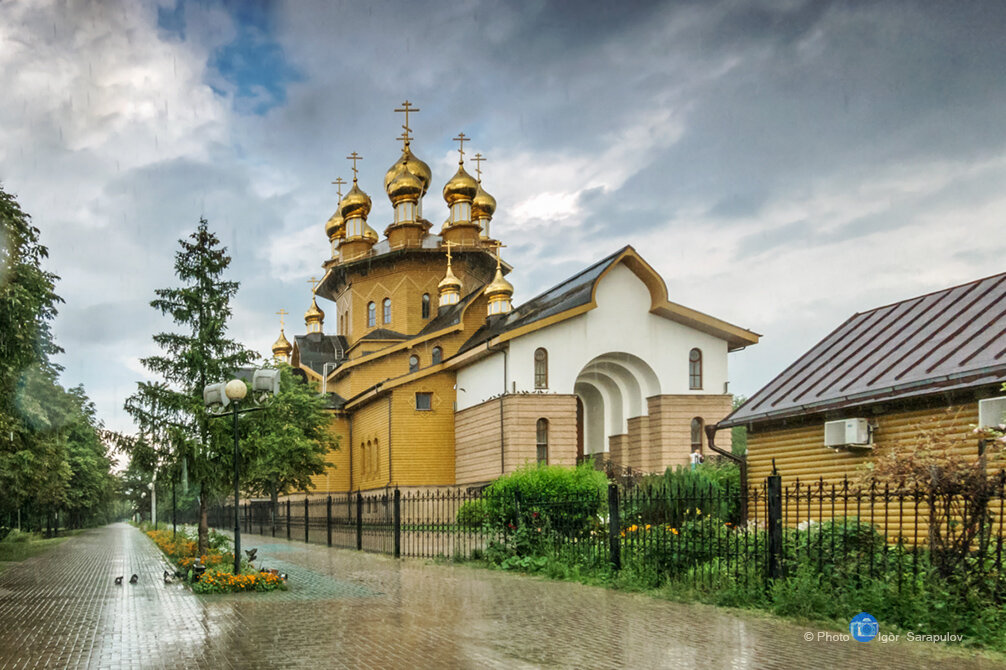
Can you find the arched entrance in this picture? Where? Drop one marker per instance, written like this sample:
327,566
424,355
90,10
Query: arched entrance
611,389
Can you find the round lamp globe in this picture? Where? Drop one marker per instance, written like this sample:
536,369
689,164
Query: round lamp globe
235,389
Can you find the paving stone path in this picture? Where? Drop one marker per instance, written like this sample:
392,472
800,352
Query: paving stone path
354,610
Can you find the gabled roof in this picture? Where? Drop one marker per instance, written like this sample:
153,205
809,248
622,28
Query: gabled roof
952,338
384,334
577,295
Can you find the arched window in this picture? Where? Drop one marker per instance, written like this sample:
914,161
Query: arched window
387,311
542,440
695,369
438,355
540,368
697,434
426,305
413,363
371,315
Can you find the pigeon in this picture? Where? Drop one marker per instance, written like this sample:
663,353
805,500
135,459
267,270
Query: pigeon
282,576
179,574
251,554
118,580
134,579
168,579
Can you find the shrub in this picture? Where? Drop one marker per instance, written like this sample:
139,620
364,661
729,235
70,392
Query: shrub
472,514
711,489
221,581
17,536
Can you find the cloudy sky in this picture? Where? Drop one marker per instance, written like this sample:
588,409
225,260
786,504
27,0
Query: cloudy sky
782,163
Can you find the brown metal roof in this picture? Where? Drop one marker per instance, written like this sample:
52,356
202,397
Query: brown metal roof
949,338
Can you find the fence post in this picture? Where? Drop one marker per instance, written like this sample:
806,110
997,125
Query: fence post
288,518
306,513
398,523
614,528
328,519
359,521
773,503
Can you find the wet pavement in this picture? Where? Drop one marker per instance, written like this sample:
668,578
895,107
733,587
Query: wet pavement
354,610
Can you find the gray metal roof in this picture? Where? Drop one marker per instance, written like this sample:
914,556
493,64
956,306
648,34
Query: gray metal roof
947,339
573,292
316,349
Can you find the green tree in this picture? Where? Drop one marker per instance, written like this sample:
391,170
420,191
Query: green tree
739,434
170,415
287,440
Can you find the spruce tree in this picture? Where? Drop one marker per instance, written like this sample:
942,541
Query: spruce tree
170,415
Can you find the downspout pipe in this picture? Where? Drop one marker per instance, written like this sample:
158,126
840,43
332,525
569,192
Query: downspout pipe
741,462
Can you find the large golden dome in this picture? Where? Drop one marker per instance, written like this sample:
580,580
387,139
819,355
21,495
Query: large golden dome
462,186
483,204
405,186
355,203
313,312
499,286
408,161
282,346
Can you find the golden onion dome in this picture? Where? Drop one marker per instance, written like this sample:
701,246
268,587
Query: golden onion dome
371,234
417,167
483,204
405,186
355,203
449,281
499,286
335,226
313,312
462,186
281,345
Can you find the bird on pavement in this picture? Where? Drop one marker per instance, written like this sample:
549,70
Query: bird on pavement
134,579
168,579
118,580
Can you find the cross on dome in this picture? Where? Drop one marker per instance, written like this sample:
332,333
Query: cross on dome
313,281
354,157
478,158
461,139
282,312
406,108
339,182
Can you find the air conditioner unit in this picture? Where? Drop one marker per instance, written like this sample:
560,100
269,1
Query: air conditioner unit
991,411
848,433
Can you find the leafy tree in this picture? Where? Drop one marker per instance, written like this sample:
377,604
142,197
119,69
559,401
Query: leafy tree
739,434
170,415
287,440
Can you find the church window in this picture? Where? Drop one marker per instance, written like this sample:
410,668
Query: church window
387,311
695,369
426,305
540,368
424,401
438,355
542,441
371,315
697,434
413,363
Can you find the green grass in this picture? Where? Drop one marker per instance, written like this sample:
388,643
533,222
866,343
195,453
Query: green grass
13,552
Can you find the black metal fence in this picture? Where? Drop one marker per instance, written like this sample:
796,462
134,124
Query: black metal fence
693,533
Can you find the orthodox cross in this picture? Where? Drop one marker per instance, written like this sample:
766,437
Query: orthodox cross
313,281
449,245
497,245
354,157
339,181
478,165
461,139
406,107
282,313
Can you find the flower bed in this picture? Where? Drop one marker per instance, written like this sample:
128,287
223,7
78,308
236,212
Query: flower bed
219,576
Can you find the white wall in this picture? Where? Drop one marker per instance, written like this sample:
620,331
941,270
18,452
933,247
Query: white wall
621,323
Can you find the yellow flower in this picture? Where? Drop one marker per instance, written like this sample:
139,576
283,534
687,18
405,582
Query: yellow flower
674,530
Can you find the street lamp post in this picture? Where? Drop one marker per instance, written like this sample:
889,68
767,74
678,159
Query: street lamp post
265,383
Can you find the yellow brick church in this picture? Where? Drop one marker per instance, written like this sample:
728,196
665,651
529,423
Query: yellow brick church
437,380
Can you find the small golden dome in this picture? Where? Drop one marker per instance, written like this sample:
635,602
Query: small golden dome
417,167
313,313
449,281
371,234
462,186
335,227
499,286
355,203
405,186
483,205
282,346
